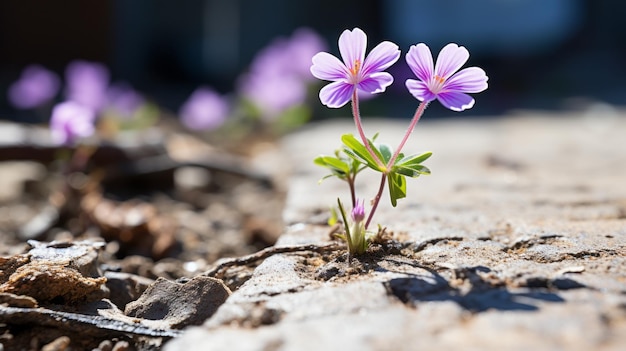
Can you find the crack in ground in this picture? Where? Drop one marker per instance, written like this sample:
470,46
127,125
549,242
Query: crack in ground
524,243
424,244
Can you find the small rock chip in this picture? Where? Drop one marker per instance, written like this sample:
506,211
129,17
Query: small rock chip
571,269
46,282
125,287
13,300
59,344
180,305
62,272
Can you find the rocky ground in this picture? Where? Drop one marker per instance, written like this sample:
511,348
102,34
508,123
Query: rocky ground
516,241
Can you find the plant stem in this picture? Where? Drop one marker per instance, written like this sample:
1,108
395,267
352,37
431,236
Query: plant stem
80,157
357,120
376,199
352,191
359,127
418,114
347,228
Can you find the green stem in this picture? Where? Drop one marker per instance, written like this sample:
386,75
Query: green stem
347,227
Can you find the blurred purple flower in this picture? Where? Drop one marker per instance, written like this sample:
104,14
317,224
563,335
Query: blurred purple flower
35,87
124,100
272,59
289,56
303,44
441,82
356,71
87,84
273,94
204,110
71,121
279,73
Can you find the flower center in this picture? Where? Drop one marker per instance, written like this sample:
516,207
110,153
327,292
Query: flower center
355,72
436,84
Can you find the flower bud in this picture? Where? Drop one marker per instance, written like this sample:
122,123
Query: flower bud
358,212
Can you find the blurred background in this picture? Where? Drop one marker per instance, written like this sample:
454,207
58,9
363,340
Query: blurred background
538,54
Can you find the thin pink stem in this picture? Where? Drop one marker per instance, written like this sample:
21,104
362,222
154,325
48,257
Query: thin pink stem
359,127
376,199
352,191
418,114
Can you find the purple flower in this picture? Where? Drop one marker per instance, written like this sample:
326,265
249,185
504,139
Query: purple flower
124,100
87,84
289,56
279,73
204,110
71,121
272,94
441,82
358,212
35,87
303,44
356,71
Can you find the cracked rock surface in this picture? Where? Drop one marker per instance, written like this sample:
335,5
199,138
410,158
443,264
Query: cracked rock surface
516,242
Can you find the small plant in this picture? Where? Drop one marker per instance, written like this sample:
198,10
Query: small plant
359,72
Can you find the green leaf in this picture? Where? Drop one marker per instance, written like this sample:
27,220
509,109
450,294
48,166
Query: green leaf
356,150
326,177
375,149
340,236
332,163
385,151
410,166
356,166
412,171
414,159
397,187
334,217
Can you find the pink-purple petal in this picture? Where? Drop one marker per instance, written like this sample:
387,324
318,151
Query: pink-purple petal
376,82
450,60
71,121
357,72
419,90
381,57
468,80
336,94
420,60
328,67
456,101
352,46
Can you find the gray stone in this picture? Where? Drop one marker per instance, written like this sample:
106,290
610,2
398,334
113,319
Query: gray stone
516,242
179,304
125,287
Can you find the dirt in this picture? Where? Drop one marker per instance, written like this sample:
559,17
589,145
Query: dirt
169,217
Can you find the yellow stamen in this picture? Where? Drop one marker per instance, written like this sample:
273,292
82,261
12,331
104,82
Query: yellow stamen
356,68
436,84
